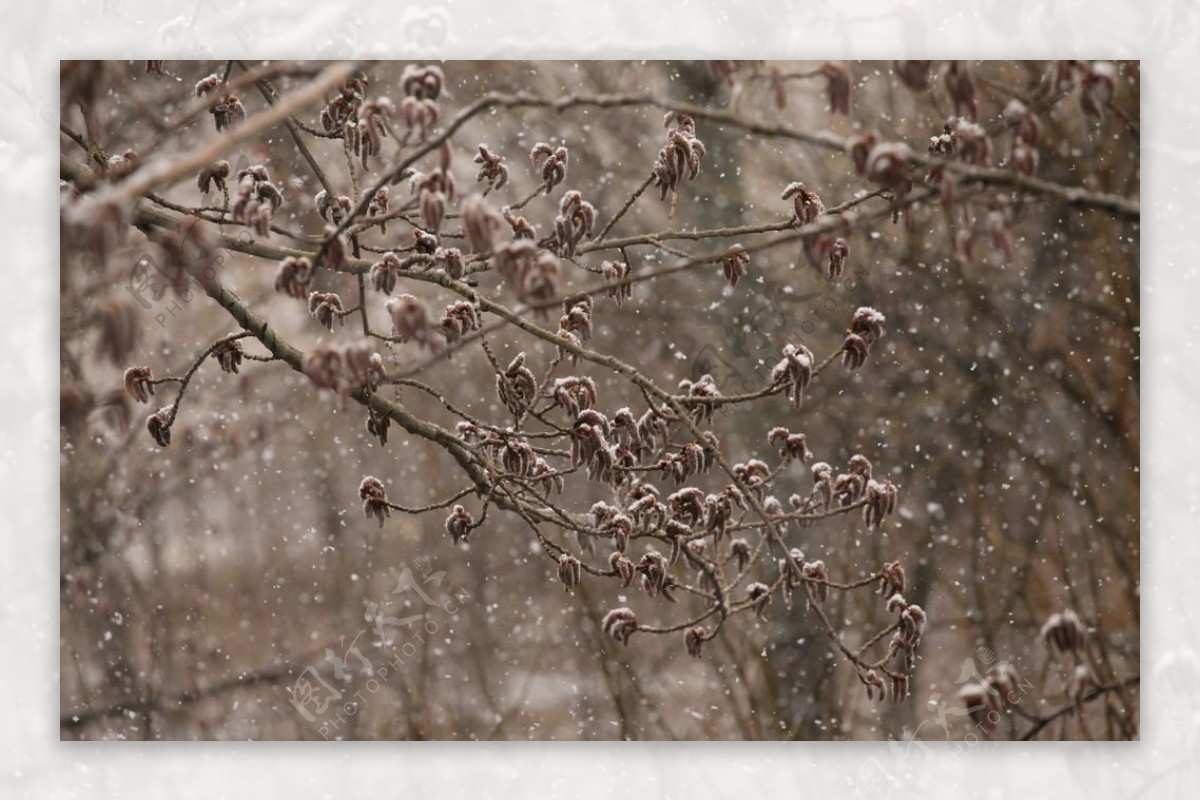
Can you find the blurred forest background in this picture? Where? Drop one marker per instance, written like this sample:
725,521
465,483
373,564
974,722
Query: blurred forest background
199,581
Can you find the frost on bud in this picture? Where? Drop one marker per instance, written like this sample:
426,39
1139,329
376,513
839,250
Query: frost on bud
213,175
816,581
866,328
377,425
693,640
459,523
575,220
378,206
491,169
159,425
792,447
1099,83
293,276
622,567
739,551
1063,632
760,598
516,386
891,580
680,156
553,162
325,308
1081,682
332,209
881,501
837,87
451,260
229,355
655,579
374,498
460,317
383,273
807,205
735,265
139,384
795,372
410,320
570,571
983,705
620,624
615,273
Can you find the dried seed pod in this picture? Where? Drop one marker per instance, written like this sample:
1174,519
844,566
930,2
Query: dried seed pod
735,265
792,447
1063,632
570,571
332,209
693,640
615,273
653,568
1082,681
838,253
460,317
982,704
860,148
451,260
480,224
325,308
759,595
517,386
213,175
807,205
229,355
622,567
553,161
517,457
874,684
159,425
680,157
795,372
378,424
139,384
491,169
374,498
620,624
410,320
816,582
961,88
739,550
1099,84
891,580
881,501
378,206
384,272
913,74
459,523
575,220
838,81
